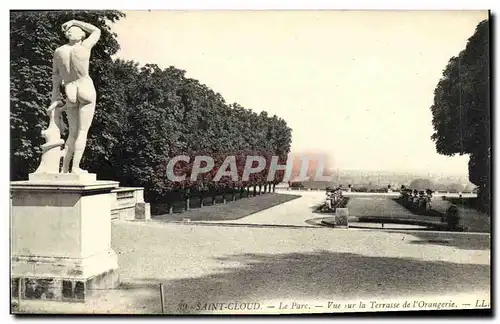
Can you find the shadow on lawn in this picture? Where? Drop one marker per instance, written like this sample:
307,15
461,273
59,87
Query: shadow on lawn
469,202
322,275
460,241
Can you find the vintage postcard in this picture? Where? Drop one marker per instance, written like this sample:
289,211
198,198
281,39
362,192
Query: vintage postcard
249,162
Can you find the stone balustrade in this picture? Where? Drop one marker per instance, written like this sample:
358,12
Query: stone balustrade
129,204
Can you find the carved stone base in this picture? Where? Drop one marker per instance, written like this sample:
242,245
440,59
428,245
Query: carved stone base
77,268
59,289
63,279
63,177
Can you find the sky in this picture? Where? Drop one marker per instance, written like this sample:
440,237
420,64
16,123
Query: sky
354,85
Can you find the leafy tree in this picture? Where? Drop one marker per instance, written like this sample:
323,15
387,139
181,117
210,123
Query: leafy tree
461,109
469,187
455,187
154,131
34,35
421,184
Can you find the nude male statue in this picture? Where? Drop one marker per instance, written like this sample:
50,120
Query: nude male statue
71,70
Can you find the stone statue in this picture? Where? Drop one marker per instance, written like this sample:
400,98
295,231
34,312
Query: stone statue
51,150
71,70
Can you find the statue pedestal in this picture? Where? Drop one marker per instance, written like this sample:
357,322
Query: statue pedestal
61,237
342,218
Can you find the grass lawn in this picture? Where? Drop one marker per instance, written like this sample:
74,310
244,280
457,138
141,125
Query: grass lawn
371,208
229,211
467,202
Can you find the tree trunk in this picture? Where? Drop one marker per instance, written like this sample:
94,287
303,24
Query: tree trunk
201,199
260,189
254,191
242,191
224,195
187,198
170,202
274,187
484,198
233,194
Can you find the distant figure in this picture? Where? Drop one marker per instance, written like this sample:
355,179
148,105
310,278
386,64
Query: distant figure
428,199
452,217
410,195
329,198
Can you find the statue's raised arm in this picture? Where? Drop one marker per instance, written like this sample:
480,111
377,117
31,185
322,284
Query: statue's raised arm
94,32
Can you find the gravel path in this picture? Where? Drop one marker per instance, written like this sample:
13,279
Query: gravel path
294,212
209,264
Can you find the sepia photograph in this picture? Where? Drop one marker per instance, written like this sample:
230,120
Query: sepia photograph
250,162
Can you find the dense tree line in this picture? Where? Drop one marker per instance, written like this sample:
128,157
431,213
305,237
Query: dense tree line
461,110
145,115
